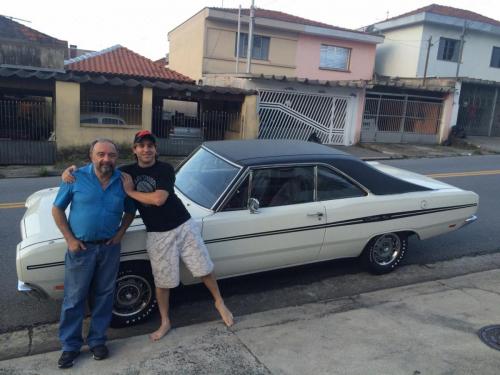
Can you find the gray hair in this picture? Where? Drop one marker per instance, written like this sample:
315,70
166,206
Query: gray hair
101,140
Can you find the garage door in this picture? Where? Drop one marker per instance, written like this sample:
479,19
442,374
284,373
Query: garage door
300,115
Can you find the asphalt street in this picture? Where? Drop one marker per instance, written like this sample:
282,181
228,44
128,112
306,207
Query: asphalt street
259,292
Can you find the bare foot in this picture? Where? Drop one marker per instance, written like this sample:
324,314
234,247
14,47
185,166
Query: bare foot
225,314
160,332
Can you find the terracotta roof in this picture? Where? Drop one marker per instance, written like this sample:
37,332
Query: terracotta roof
450,12
15,30
285,17
118,60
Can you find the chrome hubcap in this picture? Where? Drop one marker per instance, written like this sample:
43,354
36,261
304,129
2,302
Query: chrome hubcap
386,249
133,293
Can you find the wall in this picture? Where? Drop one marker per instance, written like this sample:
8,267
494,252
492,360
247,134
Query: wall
31,54
448,116
186,46
69,131
361,65
220,56
400,53
476,55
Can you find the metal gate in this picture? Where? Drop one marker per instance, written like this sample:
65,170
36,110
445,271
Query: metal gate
300,115
395,118
27,132
179,135
479,111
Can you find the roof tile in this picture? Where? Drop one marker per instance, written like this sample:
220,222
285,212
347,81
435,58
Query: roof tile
124,62
15,30
285,17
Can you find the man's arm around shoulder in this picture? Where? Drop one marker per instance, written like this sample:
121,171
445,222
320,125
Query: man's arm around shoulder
156,198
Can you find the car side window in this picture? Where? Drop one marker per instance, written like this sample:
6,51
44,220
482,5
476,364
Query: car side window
334,186
239,200
283,186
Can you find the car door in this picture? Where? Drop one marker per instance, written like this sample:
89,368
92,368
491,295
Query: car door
346,205
286,230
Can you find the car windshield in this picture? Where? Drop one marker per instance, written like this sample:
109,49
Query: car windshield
204,177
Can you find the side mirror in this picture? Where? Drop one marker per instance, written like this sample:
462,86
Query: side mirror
253,205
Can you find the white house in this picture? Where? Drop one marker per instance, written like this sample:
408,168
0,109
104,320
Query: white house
440,42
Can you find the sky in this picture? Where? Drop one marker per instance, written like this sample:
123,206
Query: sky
143,25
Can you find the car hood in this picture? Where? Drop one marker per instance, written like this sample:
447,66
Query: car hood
414,178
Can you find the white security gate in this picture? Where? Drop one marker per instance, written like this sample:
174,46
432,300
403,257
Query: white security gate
300,115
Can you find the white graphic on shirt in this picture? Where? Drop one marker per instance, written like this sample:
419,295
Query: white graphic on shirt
145,184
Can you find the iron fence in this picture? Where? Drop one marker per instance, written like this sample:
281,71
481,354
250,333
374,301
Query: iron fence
26,120
110,113
27,132
179,134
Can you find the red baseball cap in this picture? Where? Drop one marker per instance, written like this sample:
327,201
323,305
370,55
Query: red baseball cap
144,134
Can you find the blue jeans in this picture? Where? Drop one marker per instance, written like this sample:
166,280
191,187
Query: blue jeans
88,273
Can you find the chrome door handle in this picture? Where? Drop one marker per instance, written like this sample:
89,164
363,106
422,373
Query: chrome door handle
317,214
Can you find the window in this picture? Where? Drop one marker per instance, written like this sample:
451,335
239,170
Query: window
448,49
204,177
495,57
334,186
239,200
283,186
332,57
260,46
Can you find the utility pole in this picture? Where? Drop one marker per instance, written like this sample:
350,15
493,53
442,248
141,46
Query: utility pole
429,45
238,41
460,52
250,37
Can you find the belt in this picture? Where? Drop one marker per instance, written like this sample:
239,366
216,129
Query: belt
97,242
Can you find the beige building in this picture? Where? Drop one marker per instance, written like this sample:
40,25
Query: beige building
115,92
301,69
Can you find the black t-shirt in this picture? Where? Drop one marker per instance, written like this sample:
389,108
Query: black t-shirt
160,176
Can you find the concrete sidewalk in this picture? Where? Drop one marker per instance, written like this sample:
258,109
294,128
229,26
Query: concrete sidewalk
426,328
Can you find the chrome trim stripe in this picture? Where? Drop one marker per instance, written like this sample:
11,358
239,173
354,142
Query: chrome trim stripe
56,264
361,220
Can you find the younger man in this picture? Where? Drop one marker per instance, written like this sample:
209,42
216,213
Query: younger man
172,234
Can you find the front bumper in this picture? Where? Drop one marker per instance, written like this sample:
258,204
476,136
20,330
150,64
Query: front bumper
470,220
31,290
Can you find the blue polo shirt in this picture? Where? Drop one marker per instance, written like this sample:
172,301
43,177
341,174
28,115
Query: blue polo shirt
95,214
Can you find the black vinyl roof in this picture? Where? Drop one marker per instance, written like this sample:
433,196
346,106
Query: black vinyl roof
263,151
258,152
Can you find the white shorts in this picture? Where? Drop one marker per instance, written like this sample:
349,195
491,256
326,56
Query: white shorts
165,249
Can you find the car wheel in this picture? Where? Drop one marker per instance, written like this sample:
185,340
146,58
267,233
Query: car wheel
134,294
383,253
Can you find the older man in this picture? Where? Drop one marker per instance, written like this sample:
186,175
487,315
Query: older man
93,232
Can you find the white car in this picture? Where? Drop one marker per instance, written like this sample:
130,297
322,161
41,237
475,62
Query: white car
102,119
264,205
